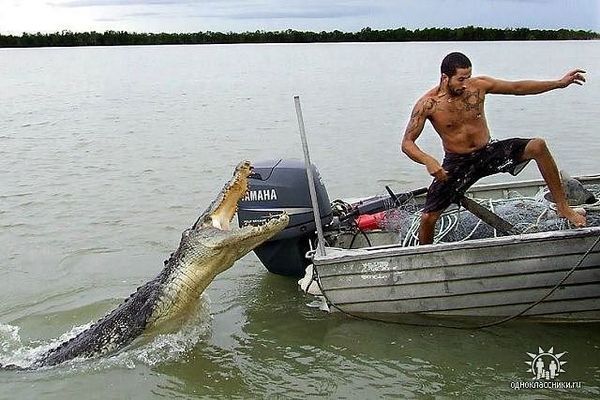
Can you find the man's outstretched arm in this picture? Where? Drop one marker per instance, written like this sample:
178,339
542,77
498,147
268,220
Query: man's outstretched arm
497,86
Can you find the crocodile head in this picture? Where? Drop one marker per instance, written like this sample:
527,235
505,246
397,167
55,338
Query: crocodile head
213,235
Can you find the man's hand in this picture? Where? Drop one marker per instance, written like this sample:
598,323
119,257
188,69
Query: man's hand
435,169
571,77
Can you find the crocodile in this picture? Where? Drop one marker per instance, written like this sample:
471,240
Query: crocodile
206,249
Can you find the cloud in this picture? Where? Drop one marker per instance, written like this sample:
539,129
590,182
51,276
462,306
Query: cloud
241,15
313,13
143,14
131,15
241,9
244,9
102,3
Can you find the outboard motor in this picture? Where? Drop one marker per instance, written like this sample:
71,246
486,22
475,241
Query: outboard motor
277,186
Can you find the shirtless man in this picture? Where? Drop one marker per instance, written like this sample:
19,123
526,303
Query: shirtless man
455,109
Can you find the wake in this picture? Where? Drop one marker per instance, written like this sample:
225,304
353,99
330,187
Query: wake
150,351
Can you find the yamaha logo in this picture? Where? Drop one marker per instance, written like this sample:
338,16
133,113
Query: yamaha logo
261,195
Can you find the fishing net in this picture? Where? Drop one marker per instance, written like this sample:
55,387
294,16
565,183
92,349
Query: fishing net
527,214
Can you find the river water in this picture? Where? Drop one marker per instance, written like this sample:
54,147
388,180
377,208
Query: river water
108,154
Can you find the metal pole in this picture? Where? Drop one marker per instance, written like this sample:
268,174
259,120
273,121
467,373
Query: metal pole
311,179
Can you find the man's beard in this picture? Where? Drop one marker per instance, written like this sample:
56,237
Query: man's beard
456,92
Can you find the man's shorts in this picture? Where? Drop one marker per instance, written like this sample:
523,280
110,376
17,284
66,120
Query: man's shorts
466,169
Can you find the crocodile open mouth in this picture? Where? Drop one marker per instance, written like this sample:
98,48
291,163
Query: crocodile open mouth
229,197
220,213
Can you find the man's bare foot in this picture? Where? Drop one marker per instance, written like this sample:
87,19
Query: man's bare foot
576,218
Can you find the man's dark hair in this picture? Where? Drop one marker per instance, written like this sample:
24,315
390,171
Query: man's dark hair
453,61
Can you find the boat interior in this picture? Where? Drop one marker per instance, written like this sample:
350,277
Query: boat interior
526,205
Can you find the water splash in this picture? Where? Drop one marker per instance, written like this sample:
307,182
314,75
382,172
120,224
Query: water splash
166,347
9,338
158,349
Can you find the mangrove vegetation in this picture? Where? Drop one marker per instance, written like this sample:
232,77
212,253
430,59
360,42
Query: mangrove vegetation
122,38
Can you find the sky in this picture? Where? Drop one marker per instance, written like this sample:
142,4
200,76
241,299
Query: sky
18,16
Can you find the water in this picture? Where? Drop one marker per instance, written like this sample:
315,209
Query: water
107,154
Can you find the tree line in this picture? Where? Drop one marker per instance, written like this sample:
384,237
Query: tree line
123,38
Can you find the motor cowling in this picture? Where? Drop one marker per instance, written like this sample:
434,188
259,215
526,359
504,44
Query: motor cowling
281,185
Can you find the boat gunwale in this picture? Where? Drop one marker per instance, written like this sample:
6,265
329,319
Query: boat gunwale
525,183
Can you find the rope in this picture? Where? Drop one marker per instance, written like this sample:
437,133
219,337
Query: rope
536,219
547,294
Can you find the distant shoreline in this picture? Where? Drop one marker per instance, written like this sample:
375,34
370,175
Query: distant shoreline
123,38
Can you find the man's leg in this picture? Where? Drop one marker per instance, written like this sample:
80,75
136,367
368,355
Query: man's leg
427,227
537,150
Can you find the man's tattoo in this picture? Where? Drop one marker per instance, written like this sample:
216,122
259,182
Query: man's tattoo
429,105
473,101
420,112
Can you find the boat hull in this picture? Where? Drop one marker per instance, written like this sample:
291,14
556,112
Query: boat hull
497,277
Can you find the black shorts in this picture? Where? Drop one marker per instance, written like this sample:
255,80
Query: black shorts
466,169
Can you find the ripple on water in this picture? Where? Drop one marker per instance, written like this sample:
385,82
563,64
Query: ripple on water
8,196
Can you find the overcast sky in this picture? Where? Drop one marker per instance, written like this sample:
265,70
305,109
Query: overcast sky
17,16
